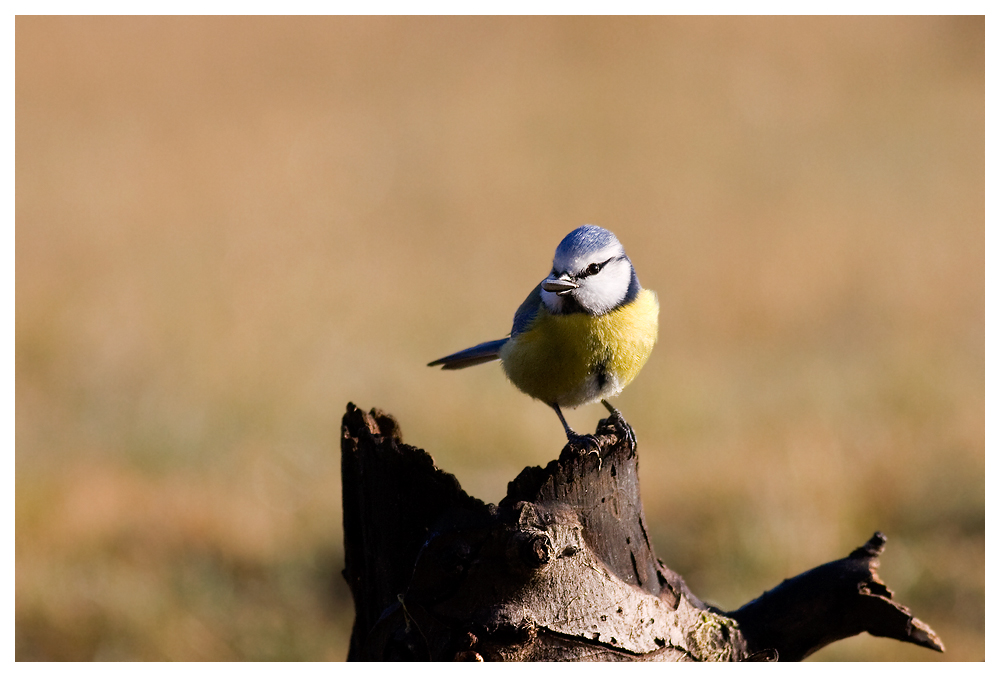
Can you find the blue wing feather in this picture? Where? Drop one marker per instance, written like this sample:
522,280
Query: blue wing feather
527,311
490,350
470,357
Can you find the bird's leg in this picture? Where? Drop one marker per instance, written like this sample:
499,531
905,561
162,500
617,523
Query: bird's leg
574,437
621,419
570,433
610,407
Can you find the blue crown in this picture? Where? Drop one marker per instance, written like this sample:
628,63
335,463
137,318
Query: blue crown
584,239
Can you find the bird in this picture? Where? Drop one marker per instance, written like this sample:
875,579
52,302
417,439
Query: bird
582,334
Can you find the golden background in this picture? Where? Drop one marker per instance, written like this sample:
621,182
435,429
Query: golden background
228,228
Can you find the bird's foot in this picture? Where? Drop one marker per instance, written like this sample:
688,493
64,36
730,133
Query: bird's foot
621,423
588,442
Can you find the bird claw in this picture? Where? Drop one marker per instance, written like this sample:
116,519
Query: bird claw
589,442
621,423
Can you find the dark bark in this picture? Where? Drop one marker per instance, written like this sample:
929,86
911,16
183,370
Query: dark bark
837,600
562,568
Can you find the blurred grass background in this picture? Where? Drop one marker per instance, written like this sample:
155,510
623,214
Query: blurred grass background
228,228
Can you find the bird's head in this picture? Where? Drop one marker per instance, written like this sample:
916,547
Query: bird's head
590,273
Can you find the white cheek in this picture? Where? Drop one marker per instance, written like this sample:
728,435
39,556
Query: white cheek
604,291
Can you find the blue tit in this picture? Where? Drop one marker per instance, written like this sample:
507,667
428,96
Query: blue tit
582,334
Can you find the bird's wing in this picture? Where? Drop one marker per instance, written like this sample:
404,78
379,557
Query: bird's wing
489,351
527,310
484,352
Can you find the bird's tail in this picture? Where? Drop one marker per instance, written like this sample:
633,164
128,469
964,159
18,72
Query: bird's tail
484,352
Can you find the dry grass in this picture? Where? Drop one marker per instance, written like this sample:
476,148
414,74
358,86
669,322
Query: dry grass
229,228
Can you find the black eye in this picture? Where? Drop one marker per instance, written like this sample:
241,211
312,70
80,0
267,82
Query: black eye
593,269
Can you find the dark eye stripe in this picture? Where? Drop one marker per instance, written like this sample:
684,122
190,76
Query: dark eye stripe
594,268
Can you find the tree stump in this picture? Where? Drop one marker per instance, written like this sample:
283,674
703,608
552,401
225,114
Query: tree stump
562,568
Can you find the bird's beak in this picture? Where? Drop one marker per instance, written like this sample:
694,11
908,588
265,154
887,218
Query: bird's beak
559,285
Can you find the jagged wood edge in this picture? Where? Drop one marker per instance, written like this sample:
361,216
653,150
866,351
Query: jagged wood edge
852,599
834,601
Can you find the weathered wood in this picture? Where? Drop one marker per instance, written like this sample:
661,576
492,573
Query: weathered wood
831,602
562,568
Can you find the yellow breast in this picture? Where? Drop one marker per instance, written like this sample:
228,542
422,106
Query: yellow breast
574,359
